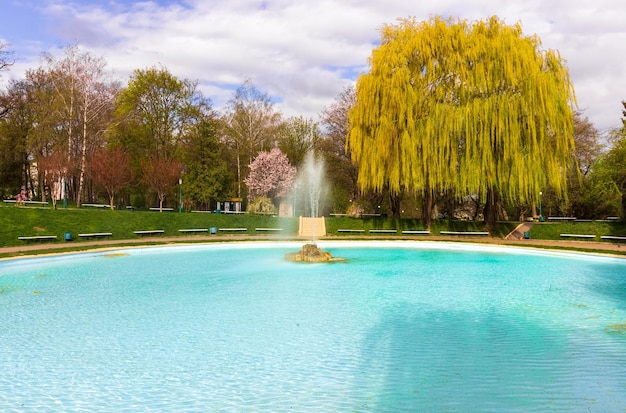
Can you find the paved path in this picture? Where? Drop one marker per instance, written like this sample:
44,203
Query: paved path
32,249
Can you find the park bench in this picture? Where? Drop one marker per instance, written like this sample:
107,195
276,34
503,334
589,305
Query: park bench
350,230
38,238
161,209
268,229
13,201
464,233
416,231
95,235
613,238
149,232
561,218
584,236
95,205
233,229
193,230
383,231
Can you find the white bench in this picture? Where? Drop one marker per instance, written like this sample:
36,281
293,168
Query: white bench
561,218
96,235
193,230
13,201
149,232
38,238
350,230
613,238
233,229
383,231
586,236
416,232
96,205
268,229
464,232
161,209
337,215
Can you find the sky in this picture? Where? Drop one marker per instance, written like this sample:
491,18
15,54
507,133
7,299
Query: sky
303,53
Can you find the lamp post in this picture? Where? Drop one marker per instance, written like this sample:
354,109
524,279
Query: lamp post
540,212
180,193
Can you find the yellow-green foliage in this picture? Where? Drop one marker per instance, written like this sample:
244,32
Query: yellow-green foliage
462,106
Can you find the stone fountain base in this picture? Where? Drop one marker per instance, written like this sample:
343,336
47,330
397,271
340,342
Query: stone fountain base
311,253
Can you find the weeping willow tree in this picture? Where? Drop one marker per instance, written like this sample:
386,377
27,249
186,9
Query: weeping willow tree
472,108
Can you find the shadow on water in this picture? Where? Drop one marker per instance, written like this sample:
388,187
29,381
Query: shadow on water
461,361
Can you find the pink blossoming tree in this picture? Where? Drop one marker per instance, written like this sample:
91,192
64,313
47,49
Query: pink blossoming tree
270,176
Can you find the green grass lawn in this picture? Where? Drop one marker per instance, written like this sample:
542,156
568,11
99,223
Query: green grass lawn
32,221
29,221
553,230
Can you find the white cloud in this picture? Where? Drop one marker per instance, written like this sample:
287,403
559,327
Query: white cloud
305,52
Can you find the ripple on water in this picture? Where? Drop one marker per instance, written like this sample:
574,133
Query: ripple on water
393,330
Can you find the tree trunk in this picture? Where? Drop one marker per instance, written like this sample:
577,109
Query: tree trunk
490,212
238,174
83,160
394,203
427,208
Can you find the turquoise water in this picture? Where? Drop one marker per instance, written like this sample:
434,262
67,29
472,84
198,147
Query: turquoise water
400,327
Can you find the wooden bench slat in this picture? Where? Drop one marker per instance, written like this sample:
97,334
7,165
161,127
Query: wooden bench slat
613,237
38,238
149,232
464,233
577,236
96,235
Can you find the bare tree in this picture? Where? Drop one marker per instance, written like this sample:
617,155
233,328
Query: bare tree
6,56
250,123
86,95
110,170
6,60
160,174
53,170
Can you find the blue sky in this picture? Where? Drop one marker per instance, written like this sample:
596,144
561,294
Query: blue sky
303,52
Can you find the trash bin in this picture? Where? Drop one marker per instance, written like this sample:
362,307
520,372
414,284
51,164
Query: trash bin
213,230
68,236
527,235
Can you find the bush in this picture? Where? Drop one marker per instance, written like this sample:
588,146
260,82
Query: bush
262,205
355,210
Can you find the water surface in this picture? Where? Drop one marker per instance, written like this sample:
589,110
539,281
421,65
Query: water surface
402,326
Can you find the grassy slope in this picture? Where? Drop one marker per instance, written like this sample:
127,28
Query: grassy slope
28,221
16,222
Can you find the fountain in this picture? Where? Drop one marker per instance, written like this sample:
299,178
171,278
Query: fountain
312,253
310,188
